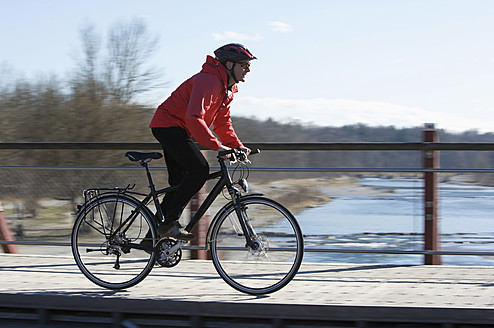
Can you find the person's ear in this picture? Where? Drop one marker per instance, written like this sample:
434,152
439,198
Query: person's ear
229,65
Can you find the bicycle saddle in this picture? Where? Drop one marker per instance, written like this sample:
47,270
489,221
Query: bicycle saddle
135,156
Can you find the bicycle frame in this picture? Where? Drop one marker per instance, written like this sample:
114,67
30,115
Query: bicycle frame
224,180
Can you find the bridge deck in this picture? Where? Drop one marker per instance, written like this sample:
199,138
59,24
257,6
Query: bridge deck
358,293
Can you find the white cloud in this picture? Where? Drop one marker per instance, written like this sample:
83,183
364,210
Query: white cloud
280,27
339,112
234,36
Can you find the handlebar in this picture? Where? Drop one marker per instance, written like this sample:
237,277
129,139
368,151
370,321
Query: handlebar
237,153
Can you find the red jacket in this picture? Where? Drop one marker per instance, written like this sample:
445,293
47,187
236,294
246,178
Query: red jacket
199,103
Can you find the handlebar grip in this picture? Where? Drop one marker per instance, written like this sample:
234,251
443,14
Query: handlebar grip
226,152
234,151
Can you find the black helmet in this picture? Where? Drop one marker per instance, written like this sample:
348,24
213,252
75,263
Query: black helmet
234,52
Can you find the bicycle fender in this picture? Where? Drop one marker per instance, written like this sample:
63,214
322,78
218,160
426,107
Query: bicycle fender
251,195
220,212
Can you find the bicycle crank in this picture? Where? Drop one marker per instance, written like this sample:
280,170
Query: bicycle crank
169,252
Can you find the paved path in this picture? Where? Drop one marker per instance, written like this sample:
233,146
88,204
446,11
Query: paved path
315,284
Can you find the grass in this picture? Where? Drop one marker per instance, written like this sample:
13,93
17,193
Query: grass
51,223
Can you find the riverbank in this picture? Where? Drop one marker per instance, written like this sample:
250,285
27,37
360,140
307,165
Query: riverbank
300,194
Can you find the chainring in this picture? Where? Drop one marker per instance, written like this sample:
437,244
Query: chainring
162,258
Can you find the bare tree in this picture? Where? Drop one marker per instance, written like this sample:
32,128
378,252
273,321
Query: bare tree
108,81
6,80
128,73
123,71
88,78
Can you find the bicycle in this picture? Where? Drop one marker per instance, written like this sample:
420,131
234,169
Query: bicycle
255,243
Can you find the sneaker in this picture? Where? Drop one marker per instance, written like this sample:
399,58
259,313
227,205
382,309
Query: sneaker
175,230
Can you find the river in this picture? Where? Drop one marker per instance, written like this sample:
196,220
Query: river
388,214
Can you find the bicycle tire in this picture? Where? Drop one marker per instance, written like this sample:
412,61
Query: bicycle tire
96,255
270,267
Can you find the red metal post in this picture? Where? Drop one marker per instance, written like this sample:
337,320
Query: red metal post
6,234
431,229
201,229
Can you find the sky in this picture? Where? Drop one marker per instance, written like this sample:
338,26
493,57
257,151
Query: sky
397,63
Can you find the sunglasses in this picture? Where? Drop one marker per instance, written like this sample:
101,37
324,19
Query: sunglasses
245,65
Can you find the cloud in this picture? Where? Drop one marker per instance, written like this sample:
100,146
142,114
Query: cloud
236,36
280,27
339,112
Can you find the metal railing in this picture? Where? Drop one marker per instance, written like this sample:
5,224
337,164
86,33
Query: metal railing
350,146
312,146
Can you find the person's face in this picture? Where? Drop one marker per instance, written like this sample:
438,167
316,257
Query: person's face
240,70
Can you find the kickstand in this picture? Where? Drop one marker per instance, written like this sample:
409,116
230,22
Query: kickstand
117,262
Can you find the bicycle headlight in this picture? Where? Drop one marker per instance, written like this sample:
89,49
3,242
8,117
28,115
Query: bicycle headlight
243,183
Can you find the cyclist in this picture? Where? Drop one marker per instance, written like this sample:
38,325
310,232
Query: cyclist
197,104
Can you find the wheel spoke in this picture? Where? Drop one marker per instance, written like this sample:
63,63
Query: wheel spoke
280,247
105,255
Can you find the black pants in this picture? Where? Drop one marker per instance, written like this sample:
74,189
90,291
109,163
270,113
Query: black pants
187,168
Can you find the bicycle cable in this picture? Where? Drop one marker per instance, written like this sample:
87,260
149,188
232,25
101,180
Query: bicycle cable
242,170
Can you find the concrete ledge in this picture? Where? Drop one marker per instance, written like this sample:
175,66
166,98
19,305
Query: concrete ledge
47,308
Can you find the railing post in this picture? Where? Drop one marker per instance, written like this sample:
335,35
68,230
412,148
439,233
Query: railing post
201,229
431,233
6,234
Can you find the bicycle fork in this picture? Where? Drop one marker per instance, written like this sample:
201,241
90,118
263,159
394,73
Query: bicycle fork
249,234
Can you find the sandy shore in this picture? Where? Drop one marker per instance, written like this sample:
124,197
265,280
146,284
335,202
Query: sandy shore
299,194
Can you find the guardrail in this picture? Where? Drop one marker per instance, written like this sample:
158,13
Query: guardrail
282,146
431,251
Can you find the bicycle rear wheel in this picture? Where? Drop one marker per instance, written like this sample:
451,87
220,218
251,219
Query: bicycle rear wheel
107,258
279,252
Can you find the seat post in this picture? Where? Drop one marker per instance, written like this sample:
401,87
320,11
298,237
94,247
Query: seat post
153,191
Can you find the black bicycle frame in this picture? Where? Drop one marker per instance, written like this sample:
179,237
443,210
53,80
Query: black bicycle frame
224,180
218,187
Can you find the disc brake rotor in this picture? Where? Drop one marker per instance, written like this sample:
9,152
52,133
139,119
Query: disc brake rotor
262,247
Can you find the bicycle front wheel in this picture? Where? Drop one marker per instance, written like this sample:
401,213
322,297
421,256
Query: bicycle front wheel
104,237
272,262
